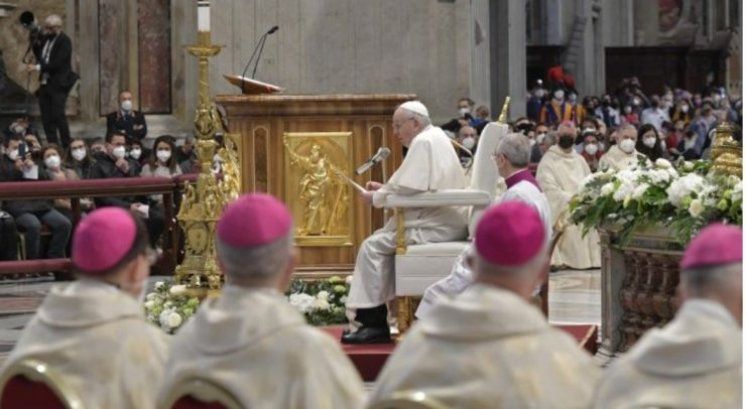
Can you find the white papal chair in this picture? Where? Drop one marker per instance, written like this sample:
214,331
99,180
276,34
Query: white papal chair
419,266
200,393
408,400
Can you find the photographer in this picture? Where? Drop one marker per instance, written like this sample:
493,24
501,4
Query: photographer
56,78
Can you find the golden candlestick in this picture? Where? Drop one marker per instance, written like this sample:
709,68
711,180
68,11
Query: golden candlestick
204,200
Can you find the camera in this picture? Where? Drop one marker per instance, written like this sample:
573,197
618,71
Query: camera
35,35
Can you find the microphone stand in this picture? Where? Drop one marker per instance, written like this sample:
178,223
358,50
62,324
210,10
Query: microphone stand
259,47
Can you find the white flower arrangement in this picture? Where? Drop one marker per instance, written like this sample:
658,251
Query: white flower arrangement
684,197
169,306
321,302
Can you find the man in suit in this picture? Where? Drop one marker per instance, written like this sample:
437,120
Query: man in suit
56,78
127,120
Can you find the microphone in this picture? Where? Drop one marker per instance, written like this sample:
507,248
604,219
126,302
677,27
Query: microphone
383,153
259,44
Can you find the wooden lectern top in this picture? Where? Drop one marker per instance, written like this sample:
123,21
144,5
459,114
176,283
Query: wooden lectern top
251,86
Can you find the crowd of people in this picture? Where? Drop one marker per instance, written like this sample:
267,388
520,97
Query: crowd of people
120,154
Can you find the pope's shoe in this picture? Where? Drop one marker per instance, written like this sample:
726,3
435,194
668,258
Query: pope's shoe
367,335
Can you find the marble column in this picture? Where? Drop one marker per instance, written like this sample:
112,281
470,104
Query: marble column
508,55
479,39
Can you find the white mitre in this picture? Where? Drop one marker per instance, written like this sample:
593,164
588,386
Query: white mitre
417,107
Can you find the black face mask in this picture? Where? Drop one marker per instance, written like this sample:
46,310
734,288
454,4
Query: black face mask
566,141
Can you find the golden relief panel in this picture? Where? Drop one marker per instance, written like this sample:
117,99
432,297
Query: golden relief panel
315,188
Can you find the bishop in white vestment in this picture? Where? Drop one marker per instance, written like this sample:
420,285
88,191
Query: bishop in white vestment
695,361
431,164
560,173
489,347
512,159
250,341
92,331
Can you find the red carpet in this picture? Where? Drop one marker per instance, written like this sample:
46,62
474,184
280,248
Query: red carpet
369,359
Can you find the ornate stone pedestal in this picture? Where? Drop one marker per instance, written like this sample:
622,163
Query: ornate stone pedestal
638,287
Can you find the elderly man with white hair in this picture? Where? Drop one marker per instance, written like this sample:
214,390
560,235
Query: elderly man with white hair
511,158
431,164
250,341
489,347
560,173
623,155
56,78
695,361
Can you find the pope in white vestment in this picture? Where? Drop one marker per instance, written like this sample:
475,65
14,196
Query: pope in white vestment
92,332
488,347
512,156
560,173
695,361
250,341
430,164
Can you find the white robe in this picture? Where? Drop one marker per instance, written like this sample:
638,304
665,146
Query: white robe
617,159
255,345
97,338
559,175
461,275
488,348
431,164
693,362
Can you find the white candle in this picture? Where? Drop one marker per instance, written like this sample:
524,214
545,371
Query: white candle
203,15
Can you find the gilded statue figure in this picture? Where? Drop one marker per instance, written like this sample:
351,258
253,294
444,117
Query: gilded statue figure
320,192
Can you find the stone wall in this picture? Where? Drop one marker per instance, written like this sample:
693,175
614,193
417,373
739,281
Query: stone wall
341,46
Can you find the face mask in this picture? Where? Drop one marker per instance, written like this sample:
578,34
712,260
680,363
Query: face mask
463,111
540,137
78,154
685,108
127,105
19,130
135,154
163,155
591,149
52,162
559,95
538,93
13,155
118,152
531,143
649,142
627,146
566,141
572,98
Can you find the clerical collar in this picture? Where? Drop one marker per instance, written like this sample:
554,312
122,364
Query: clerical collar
520,176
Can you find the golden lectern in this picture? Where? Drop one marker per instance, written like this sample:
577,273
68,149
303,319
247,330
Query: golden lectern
296,146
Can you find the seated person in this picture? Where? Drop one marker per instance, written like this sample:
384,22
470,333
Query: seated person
695,361
590,149
138,155
468,138
186,156
92,331
250,340
98,145
490,347
79,159
688,147
54,170
623,155
650,144
17,166
162,163
20,126
114,164
127,120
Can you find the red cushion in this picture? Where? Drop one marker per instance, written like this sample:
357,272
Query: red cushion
21,392
188,402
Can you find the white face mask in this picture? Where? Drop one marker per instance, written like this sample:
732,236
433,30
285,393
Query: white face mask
591,149
627,145
468,142
135,153
127,105
463,111
52,162
13,155
163,155
78,153
19,130
540,137
649,142
531,142
119,152
559,95
685,108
